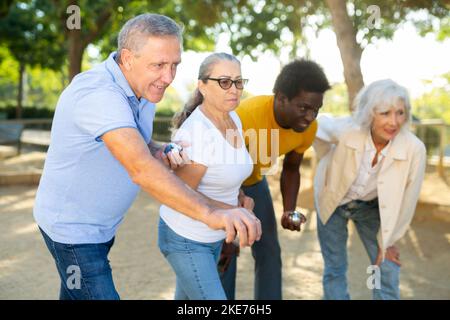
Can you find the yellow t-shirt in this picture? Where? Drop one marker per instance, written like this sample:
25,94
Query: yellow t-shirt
265,139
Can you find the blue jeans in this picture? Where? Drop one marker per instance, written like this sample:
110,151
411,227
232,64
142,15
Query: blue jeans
266,252
194,263
333,243
84,270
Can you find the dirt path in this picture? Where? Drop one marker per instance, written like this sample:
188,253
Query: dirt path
27,270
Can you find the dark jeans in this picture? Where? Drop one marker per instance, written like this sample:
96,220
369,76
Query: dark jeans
84,270
266,252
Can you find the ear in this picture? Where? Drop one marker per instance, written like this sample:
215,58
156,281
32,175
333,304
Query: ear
127,59
201,87
281,99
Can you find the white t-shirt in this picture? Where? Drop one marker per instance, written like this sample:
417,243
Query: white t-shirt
227,168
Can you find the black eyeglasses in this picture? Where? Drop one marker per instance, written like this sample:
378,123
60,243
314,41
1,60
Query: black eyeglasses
226,83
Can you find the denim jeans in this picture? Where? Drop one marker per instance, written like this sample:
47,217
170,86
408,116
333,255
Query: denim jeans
333,243
266,252
84,270
194,263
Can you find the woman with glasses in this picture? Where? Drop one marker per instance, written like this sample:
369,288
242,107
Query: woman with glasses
220,163
370,171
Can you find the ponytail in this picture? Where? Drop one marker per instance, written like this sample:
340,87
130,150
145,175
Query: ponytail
189,107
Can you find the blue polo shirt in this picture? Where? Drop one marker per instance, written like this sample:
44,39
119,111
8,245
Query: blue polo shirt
84,191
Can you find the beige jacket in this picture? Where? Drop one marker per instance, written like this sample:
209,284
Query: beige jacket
339,145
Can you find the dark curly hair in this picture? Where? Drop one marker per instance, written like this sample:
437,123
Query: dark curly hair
301,75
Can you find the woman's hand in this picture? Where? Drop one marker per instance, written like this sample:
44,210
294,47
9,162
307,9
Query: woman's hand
392,254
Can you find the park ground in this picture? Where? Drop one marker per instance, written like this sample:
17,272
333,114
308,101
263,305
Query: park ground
27,270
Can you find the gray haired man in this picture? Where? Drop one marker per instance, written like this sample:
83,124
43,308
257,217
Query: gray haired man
101,154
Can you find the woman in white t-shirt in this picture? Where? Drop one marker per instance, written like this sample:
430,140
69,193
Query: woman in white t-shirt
220,163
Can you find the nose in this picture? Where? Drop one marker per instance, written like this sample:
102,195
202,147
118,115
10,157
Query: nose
168,75
233,89
310,116
394,120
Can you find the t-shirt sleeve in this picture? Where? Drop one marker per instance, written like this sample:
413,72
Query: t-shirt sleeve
200,142
101,111
308,138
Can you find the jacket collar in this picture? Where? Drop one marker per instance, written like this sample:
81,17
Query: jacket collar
396,151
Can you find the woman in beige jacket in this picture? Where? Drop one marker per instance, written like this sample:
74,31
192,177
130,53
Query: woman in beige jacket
370,171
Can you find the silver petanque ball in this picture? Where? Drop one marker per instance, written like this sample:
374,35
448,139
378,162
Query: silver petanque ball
295,218
172,146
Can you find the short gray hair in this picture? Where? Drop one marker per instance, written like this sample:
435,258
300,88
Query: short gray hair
379,96
133,34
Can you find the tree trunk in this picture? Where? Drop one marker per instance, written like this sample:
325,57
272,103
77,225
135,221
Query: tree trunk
20,90
348,47
76,49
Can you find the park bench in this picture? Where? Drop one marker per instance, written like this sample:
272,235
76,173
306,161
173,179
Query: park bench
10,134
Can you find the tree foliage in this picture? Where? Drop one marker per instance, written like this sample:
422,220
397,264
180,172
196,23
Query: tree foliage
258,24
30,38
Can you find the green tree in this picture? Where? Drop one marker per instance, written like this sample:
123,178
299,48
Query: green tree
435,104
5,6
258,24
31,41
8,77
101,21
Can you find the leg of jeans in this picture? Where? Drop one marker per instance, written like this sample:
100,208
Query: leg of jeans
194,263
197,275
63,293
333,243
228,279
367,222
266,251
390,282
84,270
180,294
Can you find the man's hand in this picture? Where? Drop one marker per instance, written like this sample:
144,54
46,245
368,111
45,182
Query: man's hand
392,253
288,224
173,159
226,255
245,201
236,221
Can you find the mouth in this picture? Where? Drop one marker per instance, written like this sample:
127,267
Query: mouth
303,125
390,131
159,87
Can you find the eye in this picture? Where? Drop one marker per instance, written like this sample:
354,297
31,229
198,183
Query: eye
239,83
225,82
157,65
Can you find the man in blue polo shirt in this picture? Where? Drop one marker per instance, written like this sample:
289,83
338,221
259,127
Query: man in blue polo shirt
100,155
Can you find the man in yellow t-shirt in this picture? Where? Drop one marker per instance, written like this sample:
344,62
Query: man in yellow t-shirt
280,124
